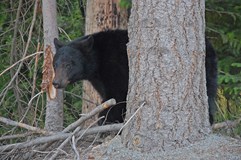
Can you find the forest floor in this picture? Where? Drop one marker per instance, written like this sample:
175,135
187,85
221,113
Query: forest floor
214,147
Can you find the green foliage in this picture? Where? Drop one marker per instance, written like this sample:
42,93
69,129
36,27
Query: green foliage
70,20
223,21
3,17
125,3
73,103
71,25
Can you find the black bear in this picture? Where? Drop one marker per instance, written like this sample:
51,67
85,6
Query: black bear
101,58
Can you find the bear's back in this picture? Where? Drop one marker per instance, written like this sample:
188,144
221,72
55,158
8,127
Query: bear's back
112,70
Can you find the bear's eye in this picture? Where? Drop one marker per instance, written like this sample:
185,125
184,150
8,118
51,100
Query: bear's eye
68,66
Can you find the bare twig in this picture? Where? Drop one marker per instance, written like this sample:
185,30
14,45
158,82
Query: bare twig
81,97
30,101
72,134
4,91
74,148
35,74
64,143
86,129
24,58
22,125
228,124
61,30
29,105
24,54
131,118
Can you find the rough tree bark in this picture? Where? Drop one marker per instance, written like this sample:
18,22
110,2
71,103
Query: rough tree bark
101,15
54,107
167,67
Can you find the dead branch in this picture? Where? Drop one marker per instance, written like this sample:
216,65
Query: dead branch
77,123
23,59
86,129
81,97
29,106
226,124
61,136
69,138
33,85
24,55
23,125
98,109
74,148
16,136
35,72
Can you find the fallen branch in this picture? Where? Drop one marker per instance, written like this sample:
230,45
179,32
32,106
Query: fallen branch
226,124
98,109
75,149
61,136
16,136
23,125
69,138
77,123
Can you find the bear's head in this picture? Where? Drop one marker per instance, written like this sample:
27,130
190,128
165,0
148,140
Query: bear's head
73,61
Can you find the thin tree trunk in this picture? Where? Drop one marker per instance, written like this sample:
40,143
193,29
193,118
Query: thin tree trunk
13,59
101,15
167,67
54,107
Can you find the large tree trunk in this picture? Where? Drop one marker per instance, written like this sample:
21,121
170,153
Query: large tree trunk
54,107
167,67
100,15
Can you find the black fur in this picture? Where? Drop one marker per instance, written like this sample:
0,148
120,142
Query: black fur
103,62
211,78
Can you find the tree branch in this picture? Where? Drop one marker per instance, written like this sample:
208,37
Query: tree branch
69,138
23,125
16,136
98,109
228,124
24,54
61,136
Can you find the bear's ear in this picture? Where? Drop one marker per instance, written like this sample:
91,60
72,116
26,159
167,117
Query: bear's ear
58,44
85,44
88,43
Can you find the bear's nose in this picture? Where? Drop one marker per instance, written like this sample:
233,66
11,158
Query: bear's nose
56,84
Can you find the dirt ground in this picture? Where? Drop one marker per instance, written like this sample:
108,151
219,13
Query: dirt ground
214,147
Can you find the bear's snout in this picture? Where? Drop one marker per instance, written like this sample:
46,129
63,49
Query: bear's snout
56,84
